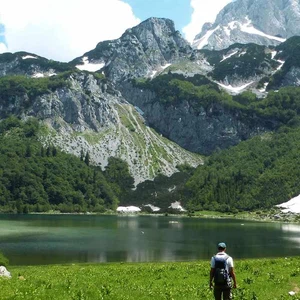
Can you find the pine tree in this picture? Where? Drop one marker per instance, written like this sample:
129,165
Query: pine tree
87,159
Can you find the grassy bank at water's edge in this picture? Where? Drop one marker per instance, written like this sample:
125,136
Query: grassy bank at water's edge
264,279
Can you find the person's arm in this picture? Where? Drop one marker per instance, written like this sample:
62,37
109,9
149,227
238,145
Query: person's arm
232,275
211,277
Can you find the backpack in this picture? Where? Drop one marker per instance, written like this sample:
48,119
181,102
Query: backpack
221,275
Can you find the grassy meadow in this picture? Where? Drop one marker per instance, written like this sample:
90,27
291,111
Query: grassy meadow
262,279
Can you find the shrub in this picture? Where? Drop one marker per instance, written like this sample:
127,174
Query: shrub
3,260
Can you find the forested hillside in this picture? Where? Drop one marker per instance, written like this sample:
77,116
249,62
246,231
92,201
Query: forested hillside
256,174
38,178
278,108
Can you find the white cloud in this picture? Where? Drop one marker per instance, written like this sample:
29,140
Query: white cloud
3,48
204,11
63,29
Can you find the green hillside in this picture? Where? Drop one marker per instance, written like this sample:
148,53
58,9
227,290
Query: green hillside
257,173
37,178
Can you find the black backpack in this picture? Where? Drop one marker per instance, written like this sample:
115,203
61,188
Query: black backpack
221,275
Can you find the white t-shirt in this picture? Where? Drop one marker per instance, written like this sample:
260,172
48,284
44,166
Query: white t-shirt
220,254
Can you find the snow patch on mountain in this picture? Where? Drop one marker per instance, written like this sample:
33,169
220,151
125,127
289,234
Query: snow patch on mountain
263,22
38,75
42,75
29,56
281,64
166,66
159,70
236,89
153,73
203,41
263,90
233,26
249,28
152,207
292,205
229,55
273,54
128,209
177,205
88,66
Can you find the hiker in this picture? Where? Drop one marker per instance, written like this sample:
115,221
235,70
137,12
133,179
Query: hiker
222,274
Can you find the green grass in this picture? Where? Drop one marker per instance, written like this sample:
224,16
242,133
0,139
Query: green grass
258,215
257,279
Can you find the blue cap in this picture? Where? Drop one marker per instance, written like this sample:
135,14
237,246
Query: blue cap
222,245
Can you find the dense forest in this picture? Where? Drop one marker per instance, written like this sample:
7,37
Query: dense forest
38,178
255,174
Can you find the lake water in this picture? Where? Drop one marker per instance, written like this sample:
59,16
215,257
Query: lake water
49,239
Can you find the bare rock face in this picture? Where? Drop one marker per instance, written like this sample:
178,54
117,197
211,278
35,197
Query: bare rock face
151,45
263,22
201,131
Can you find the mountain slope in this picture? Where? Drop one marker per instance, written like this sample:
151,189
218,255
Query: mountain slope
263,22
31,65
140,52
85,113
37,178
188,102
258,173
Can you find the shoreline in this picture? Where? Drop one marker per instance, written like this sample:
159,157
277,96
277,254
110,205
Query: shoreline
273,215
117,263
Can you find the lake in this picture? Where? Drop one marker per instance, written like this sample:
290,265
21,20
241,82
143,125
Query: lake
52,239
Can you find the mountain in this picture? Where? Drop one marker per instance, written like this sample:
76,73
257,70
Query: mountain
180,92
151,100
263,22
155,48
32,65
85,113
175,102
140,52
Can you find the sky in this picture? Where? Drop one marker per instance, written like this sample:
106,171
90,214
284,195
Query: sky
65,29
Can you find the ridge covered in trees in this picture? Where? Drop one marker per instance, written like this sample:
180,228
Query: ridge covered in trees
278,108
34,178
256,174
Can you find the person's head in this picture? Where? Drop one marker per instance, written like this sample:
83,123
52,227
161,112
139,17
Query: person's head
222,246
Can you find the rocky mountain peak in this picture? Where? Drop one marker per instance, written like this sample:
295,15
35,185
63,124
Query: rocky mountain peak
140,52
263,22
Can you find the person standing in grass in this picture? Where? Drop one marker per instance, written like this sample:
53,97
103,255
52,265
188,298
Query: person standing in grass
222,274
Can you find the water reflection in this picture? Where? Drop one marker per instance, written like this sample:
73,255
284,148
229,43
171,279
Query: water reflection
290,227
47,239
292,234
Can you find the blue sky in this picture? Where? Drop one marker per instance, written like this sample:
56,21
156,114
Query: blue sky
180,11
65,29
